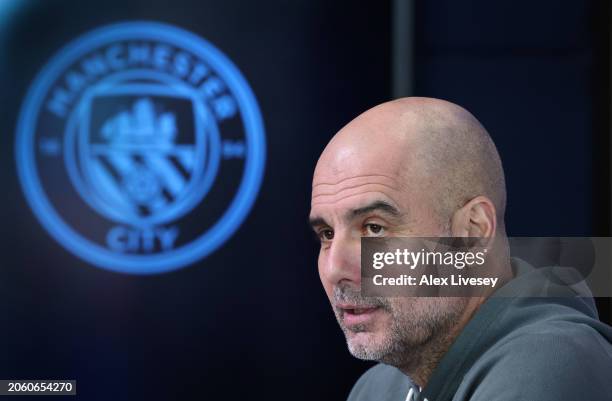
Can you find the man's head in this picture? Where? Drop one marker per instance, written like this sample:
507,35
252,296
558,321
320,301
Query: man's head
411,167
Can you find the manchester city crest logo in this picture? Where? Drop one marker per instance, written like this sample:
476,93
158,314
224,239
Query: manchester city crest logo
140,147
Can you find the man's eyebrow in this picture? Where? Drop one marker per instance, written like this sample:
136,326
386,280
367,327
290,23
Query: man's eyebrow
378,205
317,221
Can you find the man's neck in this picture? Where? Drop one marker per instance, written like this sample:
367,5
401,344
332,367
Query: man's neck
424,360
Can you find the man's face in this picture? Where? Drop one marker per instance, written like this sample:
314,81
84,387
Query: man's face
355,197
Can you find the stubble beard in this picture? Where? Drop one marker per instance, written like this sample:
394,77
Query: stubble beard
416,331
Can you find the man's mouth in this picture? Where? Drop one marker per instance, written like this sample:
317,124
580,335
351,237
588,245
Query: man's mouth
352,315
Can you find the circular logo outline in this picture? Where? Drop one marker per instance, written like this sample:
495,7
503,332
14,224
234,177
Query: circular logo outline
212,238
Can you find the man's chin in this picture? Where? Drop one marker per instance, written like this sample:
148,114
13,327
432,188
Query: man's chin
365,345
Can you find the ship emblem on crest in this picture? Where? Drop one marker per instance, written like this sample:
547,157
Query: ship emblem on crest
137,168
140,147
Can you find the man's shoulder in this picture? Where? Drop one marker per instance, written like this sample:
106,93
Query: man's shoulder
547,360
553,337
381,382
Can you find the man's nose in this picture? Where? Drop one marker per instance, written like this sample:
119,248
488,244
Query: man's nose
344,260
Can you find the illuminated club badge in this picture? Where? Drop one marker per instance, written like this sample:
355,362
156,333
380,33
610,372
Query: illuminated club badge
140,147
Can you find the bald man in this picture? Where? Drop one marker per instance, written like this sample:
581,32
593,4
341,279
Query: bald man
419,167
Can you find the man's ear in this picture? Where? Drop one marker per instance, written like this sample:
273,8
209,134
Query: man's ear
477,218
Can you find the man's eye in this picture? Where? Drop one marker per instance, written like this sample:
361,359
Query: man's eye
374,229
326,235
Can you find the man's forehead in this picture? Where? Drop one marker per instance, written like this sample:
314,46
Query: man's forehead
340,163
330,187
356,186
348,165
339,195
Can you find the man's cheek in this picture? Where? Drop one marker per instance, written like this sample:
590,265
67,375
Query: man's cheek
320,268
384,320
327,286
